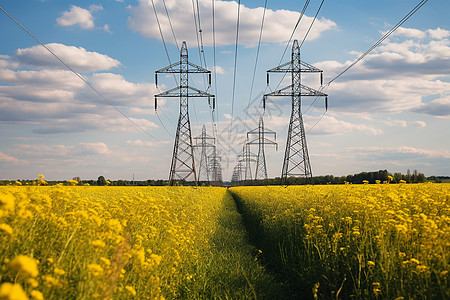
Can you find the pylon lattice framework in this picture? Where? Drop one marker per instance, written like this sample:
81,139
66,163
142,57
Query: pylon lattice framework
296,158
203,170
214,168
261,140
247,157
183,166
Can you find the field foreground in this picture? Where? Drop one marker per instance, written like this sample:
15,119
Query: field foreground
365,241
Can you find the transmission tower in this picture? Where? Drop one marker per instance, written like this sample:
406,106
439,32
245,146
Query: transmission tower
247,158
261,140
203,171
296,159
236,178
183,166
214,168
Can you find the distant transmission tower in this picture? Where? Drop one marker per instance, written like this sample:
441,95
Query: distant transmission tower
247,158
183,166
203,171
237,176
296,158
214,168
261,140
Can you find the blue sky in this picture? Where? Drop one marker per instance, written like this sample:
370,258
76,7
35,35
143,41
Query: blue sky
391,111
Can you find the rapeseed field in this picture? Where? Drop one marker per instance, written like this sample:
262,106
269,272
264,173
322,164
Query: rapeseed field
380,241
353,241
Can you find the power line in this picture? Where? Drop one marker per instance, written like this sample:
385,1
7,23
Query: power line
312,23
78,75
295,28
385,36
257,53
171,27
214,54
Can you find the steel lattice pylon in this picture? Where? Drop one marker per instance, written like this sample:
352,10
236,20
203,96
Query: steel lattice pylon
296,158
247,158
261,169
203,171
183,166
214,168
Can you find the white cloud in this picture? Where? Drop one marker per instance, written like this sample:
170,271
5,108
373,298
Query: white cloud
438,33
395,123
94,7
141,143
77,57
419,124
395,76
328,125
143,20
106,28
228,116
56,101
77,16
409,32
403,150
439,107
93,148
10,159
219,70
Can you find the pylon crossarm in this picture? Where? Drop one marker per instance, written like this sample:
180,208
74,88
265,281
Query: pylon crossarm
197,69
309,68
287,67
287,91
169,69
172,68
282,68
175,92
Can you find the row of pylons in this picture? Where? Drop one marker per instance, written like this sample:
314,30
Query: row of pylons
296,158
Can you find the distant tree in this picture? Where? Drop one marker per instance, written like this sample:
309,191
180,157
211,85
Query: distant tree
408,176
101,180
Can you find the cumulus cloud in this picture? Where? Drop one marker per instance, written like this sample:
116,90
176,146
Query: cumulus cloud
143,20
77,57
403,150
439,107
328,125
56,101
10,159
396,76
77,16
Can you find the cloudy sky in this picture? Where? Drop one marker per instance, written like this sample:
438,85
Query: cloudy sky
391,111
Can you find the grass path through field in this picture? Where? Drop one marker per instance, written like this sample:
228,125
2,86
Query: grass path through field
233,270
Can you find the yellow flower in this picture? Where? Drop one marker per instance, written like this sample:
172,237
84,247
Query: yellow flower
12,291
24,265
370,263
36,295
58,271
50,281
95,270
106,261
7,202
156,258
41,176
98,244
6,228
130,290
33,282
